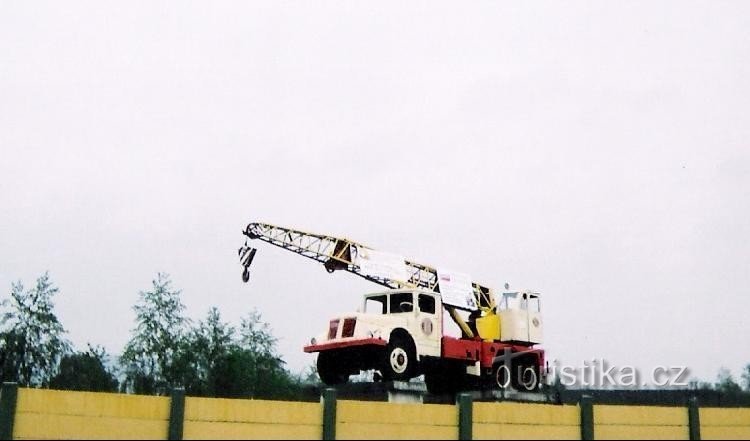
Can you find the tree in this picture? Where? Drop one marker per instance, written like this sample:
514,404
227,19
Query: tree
32,339
149,357
746,377
725,382
252,367
267,367
86,371
206,347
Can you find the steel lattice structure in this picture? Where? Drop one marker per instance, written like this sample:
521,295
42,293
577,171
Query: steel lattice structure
335,254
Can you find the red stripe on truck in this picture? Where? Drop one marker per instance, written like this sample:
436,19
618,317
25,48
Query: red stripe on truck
345,344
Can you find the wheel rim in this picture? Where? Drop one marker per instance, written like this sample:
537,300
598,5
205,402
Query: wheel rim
529,378
502,376
399,360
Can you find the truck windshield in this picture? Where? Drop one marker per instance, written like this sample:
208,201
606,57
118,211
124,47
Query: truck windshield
507,301
376,305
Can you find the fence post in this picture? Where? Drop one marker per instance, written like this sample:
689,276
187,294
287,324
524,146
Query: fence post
587,417
8,399
329,414
176,413
465,417
694,419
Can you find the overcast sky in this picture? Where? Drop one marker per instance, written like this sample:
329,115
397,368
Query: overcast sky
597,152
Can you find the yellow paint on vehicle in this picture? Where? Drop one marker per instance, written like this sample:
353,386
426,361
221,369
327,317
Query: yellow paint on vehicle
489,327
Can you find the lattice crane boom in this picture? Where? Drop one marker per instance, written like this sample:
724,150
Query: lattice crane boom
336,254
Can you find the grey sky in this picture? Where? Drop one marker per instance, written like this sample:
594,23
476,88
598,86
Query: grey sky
595,151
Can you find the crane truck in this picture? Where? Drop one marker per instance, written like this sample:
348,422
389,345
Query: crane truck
401,332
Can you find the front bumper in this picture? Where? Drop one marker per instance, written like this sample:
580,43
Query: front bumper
345,344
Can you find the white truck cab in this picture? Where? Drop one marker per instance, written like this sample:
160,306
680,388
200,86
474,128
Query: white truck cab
400,325
520,317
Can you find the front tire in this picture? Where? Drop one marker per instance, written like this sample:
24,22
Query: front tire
399,360
330,369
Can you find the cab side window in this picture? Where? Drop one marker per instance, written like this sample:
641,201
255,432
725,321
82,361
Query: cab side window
401,302
427,303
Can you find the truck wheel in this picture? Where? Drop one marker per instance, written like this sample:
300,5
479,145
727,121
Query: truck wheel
329,371
529,379
501,376
400,361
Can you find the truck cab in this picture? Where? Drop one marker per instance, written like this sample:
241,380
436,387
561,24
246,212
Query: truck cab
520,318
393,331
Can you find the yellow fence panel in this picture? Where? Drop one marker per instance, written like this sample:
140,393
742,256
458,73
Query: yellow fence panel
214,418
525,431
92,404
47,426
223,430
640,422
640,415
524,413
630,431
525,421
377,420
725,432
725,423
713,416
49,414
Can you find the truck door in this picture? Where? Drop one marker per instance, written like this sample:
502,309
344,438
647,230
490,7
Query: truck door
428,327
534,317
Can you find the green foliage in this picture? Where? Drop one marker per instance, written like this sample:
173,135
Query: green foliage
746,377
310,375
725,383
150,357
32,339
85,371
206,348
222,362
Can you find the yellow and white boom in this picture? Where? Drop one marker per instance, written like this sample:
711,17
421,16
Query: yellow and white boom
336,254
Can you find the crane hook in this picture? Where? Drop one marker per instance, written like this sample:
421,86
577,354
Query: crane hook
247,254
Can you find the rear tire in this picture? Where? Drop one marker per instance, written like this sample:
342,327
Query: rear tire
501,376
330,369
525,378
530,379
